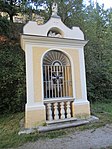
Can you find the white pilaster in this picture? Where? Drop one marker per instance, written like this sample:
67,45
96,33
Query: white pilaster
82,74
29,74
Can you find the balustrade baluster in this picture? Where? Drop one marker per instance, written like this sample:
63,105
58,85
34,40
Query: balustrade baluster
62,110
49,112
56,112
68,109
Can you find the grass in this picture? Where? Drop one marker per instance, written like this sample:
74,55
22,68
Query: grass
9,127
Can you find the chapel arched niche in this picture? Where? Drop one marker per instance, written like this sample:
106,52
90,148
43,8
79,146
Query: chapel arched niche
57,78
55,32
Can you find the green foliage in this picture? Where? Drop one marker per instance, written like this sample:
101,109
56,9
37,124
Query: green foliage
10,7
4,26
12,66
98,54
10,30
12,78
9,128
102,107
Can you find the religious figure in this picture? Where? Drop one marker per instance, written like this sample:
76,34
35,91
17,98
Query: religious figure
51,34
54,9
54,34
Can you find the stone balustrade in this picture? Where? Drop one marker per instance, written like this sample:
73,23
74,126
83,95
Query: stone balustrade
58,109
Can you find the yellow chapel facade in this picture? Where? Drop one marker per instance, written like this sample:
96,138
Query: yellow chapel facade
55,72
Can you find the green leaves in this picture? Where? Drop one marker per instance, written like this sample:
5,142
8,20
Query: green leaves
98,54
9,7
12,78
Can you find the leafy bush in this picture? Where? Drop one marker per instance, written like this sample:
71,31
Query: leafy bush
12,78
4,26
12,66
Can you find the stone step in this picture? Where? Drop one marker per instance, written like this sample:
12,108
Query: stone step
63,125
61,121
56,125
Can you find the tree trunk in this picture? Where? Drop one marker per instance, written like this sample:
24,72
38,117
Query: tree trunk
11,18
10,15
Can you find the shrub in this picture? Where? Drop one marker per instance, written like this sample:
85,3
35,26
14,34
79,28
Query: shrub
12,78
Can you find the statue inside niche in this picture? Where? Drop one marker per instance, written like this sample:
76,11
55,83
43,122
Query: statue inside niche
54,34
54,9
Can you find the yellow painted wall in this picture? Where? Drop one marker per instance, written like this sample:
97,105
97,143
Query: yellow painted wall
75,58
37,55
34,118
81,110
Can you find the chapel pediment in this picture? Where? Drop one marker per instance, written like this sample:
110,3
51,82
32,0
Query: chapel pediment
53,28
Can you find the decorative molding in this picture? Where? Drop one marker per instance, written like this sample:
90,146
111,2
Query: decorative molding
35,106
50,42
53,100
81,102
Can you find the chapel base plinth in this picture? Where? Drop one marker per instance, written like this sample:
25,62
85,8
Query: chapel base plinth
35,116
81,109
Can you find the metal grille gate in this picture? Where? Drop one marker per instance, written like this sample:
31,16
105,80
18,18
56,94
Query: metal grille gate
57,81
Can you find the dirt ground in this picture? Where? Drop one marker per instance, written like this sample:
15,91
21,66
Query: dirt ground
88,139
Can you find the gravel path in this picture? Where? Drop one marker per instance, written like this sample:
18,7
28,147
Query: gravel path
88,139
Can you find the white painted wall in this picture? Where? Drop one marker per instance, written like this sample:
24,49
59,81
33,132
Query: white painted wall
32,28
